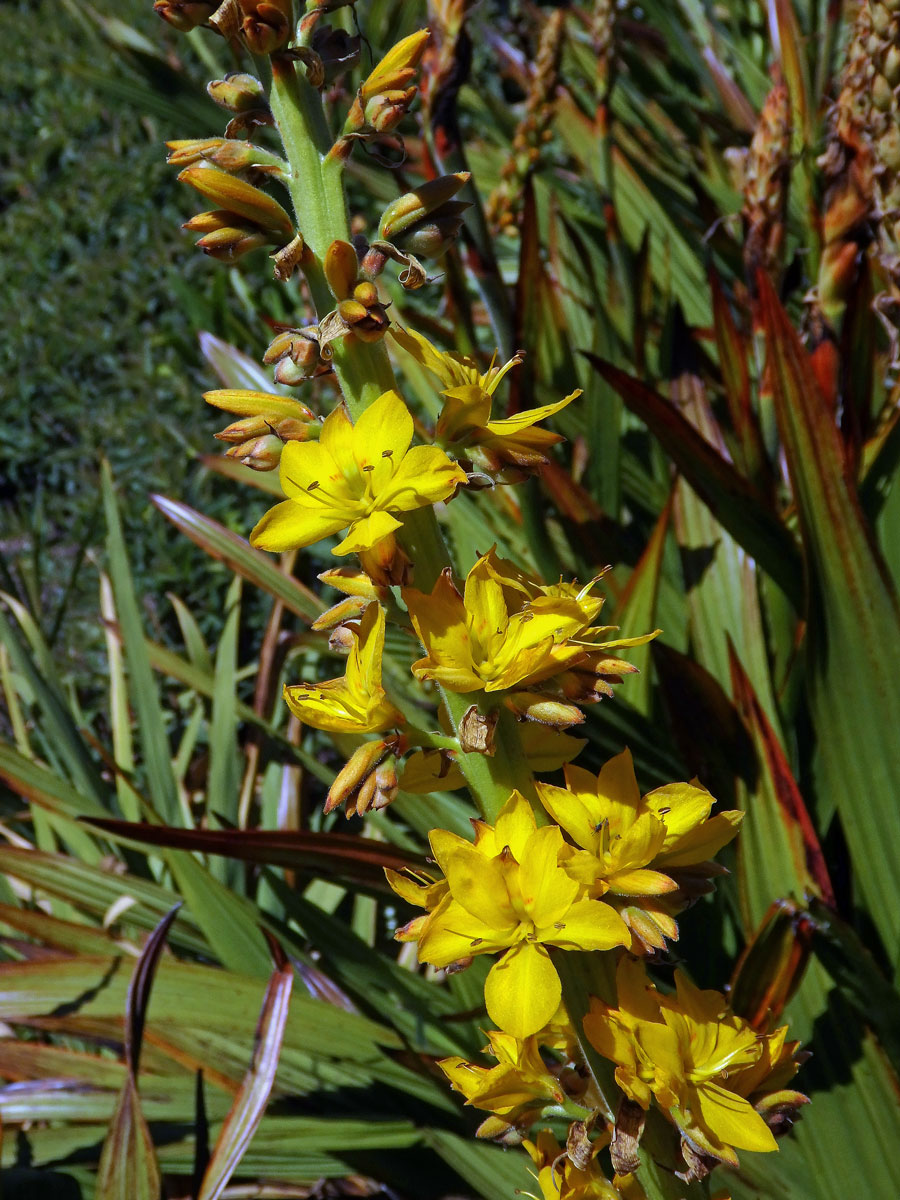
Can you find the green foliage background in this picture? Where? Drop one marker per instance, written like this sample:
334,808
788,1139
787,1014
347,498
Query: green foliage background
102,302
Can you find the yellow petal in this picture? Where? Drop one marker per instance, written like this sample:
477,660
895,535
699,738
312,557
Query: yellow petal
486,610
465,414
381,437
522,990
426,771
523,420
515,825
569,811
424,476
447,369
306,467
547,749
588,925
363,670
703,842
451,934
336,438
733,1119
289,526
326,708
440,622
455,679
479,885
366,533
547,891
617,781
443,844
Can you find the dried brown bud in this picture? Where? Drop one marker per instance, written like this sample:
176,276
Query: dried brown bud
185,15
476,731
266,25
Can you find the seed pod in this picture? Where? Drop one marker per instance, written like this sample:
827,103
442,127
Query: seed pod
767,174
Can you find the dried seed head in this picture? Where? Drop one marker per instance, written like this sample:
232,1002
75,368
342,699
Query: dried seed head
766,178
534,129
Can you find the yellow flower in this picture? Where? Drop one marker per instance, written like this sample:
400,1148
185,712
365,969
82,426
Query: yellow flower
507,893
692,1056
357,476
516,1089
474,643
357,702
465,418
560,1179
638,848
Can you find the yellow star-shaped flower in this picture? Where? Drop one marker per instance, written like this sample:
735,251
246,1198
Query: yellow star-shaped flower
356,477
355,703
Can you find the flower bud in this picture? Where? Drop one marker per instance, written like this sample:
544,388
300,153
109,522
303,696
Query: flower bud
351,582
185,15
191,150
298,345
342,639
434,237
238,92
351,608
368,780
244,403
245,429
397,67
261,454
366,293
292,430
217,218
230,243
228,154
384,112
289,374
386,564
341,268
532,706
355,772
236,196
412,207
